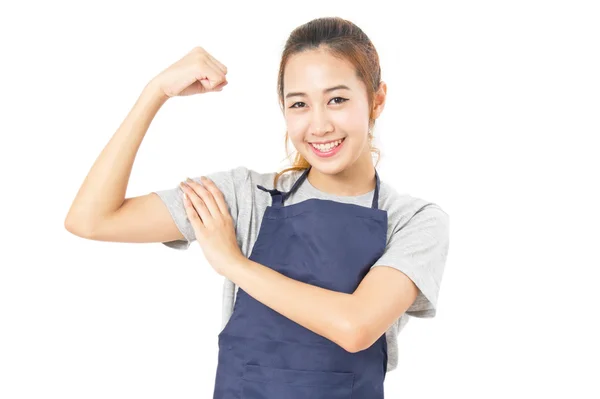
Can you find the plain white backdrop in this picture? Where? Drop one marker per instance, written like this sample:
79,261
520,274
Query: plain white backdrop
492,112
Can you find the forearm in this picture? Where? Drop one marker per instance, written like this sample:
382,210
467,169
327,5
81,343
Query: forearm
103,190
323,311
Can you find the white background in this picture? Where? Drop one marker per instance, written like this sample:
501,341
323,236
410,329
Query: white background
492,112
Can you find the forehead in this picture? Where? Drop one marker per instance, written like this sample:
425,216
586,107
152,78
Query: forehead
317,69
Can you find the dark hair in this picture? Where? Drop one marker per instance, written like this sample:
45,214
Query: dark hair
344,40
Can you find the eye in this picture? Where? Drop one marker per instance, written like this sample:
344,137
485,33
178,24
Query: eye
294,105
334,98
344,99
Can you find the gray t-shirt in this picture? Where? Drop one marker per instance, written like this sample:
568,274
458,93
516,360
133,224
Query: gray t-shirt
417,236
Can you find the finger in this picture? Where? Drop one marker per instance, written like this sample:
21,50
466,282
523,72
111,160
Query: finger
197,203
191,212
214,75
206,196
218,196
220,86
222,67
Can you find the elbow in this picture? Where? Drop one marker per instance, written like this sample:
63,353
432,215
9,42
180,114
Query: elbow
354,337
78,228
357,343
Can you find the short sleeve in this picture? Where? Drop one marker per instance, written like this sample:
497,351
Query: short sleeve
228,182
419,249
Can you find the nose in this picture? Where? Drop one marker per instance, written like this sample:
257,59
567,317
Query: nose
320,124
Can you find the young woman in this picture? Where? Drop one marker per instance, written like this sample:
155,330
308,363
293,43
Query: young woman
313,315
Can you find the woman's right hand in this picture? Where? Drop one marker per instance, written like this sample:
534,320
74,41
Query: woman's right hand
197,72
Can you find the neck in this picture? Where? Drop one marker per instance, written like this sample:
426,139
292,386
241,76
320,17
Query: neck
357,179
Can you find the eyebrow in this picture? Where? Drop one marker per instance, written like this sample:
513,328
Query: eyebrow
324,91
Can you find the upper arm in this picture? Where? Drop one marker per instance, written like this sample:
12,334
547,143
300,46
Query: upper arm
161,215
139,219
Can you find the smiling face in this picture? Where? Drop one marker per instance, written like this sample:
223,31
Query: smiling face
325,102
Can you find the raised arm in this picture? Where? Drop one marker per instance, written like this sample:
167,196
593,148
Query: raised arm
100,210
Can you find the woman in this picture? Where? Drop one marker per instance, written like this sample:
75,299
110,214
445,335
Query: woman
313,315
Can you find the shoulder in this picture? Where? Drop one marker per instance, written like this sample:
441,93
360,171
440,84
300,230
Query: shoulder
402,207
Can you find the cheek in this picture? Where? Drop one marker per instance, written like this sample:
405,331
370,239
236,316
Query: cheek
295,127
296,137
357,115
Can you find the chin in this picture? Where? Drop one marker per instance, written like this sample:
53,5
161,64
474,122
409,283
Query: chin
328,167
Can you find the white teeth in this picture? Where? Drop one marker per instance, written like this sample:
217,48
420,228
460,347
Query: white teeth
326,147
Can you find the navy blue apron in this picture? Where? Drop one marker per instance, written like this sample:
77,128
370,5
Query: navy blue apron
264,355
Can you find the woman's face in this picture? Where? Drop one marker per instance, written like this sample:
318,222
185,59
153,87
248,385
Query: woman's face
315,114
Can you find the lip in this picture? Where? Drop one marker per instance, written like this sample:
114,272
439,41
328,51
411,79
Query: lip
329,153
325,142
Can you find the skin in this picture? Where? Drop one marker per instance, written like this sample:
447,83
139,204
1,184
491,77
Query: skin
317,116
353,321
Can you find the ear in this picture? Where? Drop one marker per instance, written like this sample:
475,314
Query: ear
379,100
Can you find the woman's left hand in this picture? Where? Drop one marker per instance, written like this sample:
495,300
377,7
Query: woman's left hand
207,211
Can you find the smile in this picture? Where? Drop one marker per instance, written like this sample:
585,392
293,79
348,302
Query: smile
327,150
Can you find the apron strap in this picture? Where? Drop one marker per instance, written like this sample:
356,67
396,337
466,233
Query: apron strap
299,181
375,204
276,196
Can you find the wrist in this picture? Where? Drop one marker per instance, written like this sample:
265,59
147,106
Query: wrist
154,90
236,265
